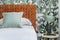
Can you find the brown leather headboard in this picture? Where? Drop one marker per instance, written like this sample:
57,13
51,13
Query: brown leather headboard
29,11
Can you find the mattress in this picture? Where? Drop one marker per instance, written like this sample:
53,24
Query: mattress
18,34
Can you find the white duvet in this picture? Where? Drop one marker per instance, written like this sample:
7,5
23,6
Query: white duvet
17,34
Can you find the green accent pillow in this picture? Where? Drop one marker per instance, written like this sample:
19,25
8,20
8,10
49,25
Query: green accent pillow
12,19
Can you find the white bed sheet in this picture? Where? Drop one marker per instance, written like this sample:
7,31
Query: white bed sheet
18,34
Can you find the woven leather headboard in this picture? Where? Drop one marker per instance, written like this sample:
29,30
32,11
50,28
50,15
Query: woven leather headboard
29,11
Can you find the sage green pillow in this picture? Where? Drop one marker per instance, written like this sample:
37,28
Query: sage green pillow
12,19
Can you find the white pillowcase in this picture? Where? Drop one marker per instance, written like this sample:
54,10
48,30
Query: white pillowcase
25,22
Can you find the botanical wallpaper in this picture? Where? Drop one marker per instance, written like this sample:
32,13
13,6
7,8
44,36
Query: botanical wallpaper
46,11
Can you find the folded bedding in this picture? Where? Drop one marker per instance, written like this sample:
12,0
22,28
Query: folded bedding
17,34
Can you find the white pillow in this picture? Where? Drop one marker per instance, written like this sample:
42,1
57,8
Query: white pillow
1,21
25,22
12,19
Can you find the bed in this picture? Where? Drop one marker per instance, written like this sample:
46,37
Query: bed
27,33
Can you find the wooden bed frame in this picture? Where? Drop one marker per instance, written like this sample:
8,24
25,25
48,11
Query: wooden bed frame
29,11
